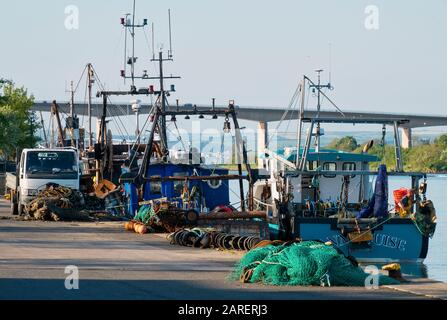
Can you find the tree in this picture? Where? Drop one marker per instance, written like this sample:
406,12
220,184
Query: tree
347,143
18,124
442,141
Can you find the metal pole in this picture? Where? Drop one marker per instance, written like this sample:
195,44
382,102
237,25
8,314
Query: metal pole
148,151
163,104
43,129
52,129
317,149
89,106
170,36
103,120
125,46
138,127
102,137
300,122
72,115
133,46
306,147
240,142
71,101
55,110
239,167
397,148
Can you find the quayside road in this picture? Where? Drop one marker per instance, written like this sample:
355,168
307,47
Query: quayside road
116,264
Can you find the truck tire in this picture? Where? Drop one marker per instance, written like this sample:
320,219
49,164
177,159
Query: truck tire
19,206
14,205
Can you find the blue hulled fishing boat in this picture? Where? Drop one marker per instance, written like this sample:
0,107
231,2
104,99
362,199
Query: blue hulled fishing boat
313,193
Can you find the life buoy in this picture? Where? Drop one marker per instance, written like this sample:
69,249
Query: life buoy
222,208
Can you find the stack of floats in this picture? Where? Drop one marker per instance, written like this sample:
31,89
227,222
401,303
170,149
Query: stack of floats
136,226
209,238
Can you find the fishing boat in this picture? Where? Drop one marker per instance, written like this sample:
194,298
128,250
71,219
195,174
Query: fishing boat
313,193
154,173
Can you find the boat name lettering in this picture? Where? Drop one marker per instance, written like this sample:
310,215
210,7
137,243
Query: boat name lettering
388,241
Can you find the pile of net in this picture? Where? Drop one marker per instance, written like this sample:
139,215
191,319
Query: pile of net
164,217
58,203
307,263
425,218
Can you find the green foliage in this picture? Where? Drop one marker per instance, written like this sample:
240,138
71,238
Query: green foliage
430,158
348,143
18,124
442,141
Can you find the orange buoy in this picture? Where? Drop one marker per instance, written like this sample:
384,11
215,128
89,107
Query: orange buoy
142,229
128,226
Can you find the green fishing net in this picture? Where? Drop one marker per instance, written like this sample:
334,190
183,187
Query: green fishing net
301,263
425,218
144,214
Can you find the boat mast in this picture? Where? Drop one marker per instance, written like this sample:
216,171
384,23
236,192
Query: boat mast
317,147
43,129
132,67
89,104
162,127
300,121
163,93
318,87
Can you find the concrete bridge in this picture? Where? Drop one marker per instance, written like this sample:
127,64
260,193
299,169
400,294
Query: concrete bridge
265,115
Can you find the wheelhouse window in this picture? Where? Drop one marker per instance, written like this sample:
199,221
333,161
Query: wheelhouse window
155,186
178,185
329,166
312,165
349,166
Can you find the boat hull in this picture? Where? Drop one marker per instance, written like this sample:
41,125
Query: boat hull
396,240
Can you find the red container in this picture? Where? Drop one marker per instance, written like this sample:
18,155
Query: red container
398,195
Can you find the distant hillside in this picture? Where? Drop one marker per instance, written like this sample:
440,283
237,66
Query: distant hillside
427,157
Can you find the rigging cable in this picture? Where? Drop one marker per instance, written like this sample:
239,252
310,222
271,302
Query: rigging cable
291,103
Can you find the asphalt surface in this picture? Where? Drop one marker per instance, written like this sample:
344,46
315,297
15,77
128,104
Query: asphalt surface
117,264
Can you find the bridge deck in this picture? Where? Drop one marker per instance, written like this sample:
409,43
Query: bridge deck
267,114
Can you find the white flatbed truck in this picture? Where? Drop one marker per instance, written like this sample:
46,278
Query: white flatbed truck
36,169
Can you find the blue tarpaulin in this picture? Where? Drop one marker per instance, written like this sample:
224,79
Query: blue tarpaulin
378,204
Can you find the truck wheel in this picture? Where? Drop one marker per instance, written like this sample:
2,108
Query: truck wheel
14,206
19,206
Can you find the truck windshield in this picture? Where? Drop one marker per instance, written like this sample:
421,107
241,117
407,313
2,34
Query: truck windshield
61,163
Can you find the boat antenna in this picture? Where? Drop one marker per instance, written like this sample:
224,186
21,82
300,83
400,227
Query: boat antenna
170,35
132,67
163,93
131,26
318,88
330,65
125,47
153,42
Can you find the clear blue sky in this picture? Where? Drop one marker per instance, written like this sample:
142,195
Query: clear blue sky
253,51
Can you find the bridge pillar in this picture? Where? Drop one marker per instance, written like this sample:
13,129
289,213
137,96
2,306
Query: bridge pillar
261,143
406,138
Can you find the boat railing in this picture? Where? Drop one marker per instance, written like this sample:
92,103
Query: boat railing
355,172
260,205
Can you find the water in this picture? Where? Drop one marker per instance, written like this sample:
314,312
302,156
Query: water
436,261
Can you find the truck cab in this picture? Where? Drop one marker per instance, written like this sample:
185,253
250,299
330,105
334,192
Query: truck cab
39,167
